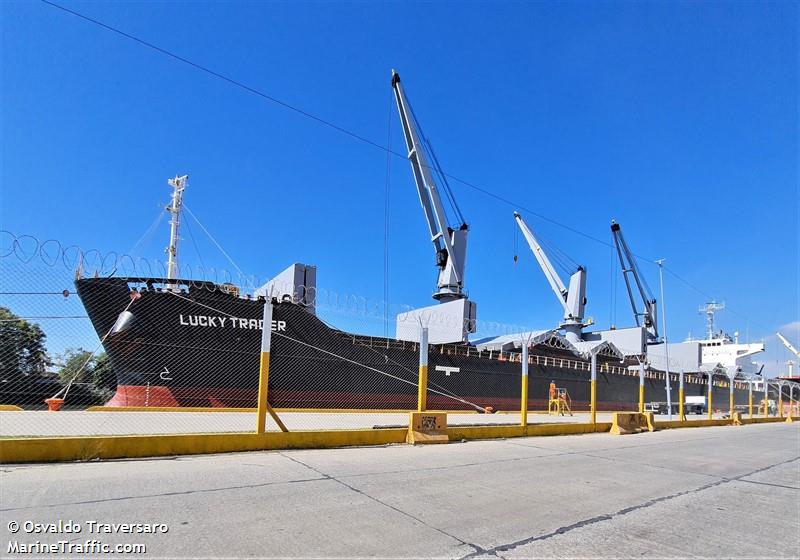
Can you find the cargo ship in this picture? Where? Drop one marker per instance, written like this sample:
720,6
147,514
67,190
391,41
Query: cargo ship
178,342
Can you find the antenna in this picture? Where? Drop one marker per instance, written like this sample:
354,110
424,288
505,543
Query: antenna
709,309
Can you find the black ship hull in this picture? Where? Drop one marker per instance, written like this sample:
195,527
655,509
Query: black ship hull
199,346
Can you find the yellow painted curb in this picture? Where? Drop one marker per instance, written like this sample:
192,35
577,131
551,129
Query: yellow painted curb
48,449
496,432
33,450
715,422
10,408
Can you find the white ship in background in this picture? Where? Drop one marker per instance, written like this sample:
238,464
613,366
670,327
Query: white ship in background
718,351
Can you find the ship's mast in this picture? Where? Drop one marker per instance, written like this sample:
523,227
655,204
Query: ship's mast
178,185
709,309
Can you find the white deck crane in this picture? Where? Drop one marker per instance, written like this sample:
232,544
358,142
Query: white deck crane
647,316
788,345
450,244
572,299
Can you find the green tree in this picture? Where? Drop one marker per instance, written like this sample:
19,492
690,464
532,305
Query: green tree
103,377
22,351
77,365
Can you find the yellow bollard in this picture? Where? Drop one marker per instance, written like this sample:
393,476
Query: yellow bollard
263,369
750,402
681,413
780,401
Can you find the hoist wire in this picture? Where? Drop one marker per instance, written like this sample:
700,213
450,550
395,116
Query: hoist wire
194,243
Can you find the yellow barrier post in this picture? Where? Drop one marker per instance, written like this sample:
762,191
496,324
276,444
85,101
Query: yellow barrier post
422,388
681,397
641,388
523,409
593,397
710,395
750,399
780,399
263,370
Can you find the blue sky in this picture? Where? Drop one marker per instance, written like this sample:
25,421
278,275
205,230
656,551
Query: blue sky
679,120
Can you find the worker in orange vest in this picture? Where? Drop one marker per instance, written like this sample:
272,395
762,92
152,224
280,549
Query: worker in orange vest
552,390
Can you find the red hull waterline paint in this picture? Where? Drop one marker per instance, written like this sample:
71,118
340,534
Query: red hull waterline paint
158,396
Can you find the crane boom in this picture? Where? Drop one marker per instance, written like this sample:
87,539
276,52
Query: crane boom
572,299
647,316
788,345
549,272
450,244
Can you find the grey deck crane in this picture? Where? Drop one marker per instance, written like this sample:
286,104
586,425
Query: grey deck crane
450,244
647,316
572,299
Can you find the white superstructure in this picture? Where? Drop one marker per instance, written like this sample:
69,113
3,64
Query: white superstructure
721,349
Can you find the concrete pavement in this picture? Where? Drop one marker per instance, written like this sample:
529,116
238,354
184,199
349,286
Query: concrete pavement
722,492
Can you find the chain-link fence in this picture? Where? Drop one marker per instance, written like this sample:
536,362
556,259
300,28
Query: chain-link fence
103,344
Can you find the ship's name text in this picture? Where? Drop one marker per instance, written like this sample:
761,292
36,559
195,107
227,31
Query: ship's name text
228,322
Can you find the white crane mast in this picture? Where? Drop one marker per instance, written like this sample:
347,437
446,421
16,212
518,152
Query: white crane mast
450,244
788,345
178,185
572,299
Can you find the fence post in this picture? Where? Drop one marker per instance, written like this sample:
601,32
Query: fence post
710,394
681,397
641,387
422,388
780,399
750,398
593,395
731,406
524,404
263,370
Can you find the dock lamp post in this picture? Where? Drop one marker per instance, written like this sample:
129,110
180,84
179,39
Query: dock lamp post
660,263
